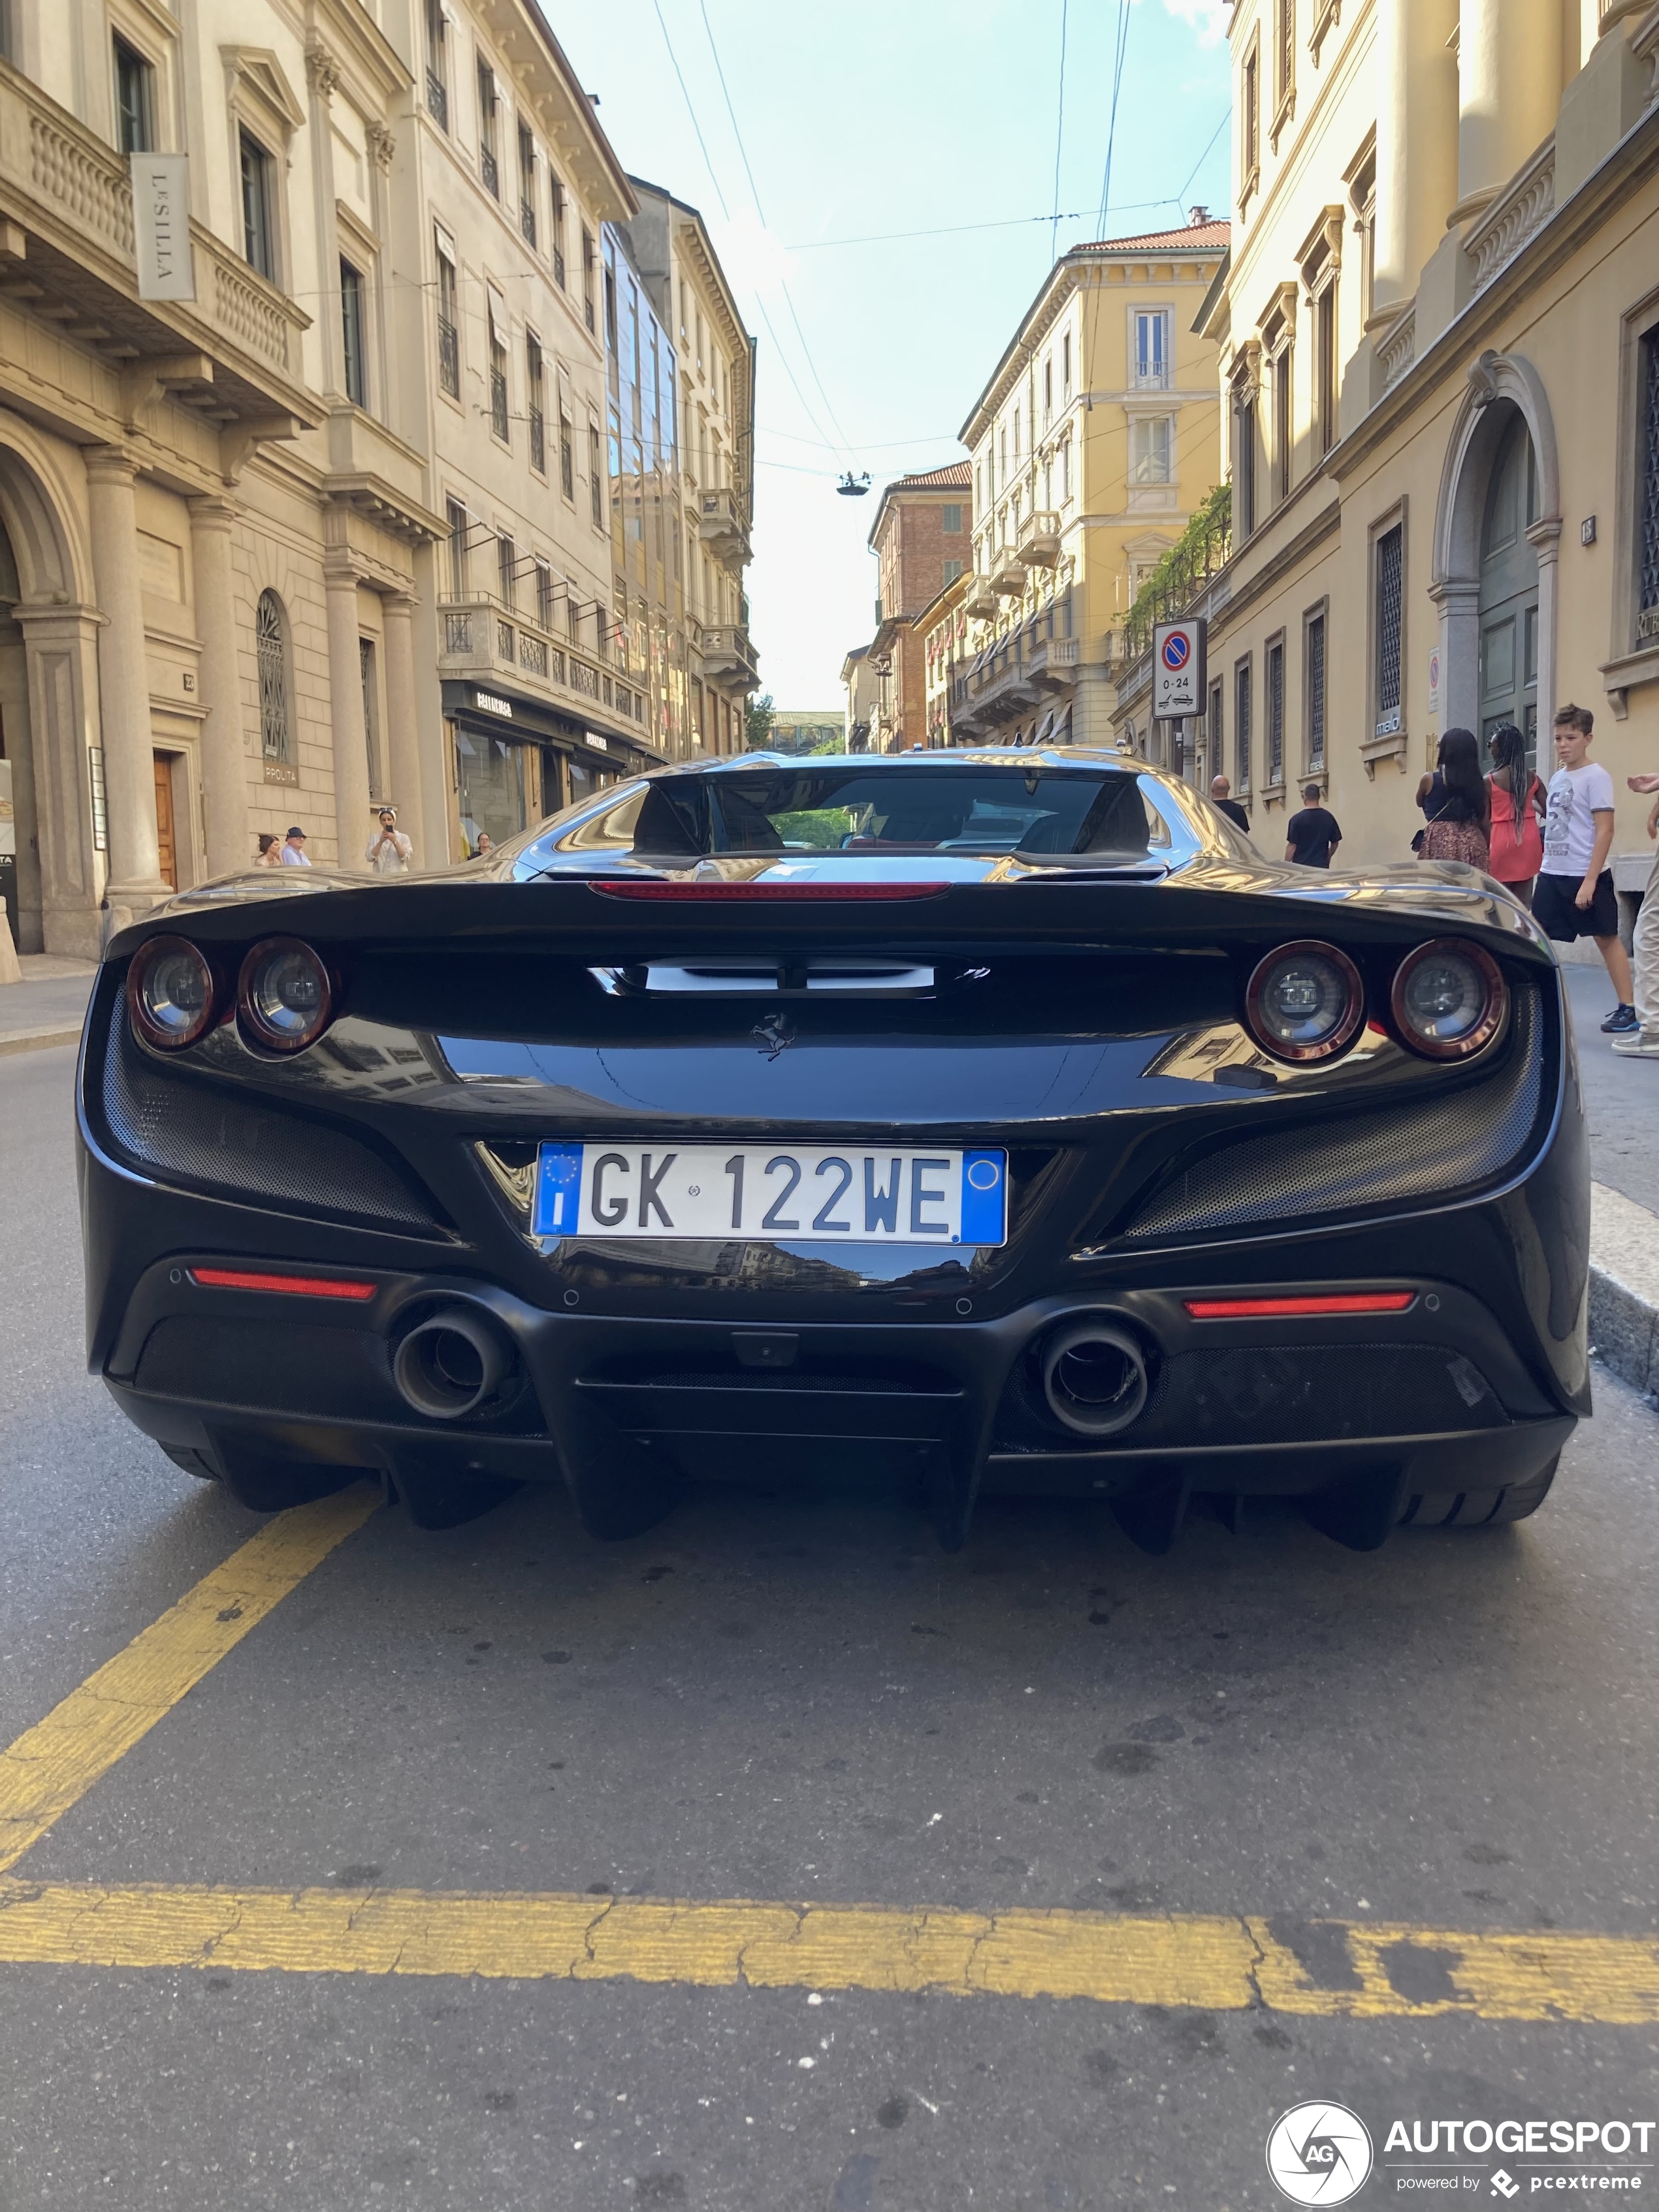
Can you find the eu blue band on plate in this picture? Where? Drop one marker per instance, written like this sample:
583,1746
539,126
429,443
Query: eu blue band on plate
558,1190
984,1197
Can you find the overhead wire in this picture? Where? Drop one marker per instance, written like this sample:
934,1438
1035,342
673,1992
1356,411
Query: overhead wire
1060,132
1122,49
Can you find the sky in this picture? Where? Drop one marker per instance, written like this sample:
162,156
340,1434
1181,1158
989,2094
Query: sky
855,119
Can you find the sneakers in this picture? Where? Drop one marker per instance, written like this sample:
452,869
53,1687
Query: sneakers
1620,1022
1637,1047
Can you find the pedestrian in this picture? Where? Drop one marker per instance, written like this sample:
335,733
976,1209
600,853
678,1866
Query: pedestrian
1312,835
295,854
1515,803
486,844
1574,895
269,854
1643,1042
388,847
1220,795
1455,804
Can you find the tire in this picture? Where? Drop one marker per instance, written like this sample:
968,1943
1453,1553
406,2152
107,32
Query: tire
193,1462
1479,1509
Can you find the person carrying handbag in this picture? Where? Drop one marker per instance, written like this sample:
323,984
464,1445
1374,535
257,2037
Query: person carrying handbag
1454,800
1516,800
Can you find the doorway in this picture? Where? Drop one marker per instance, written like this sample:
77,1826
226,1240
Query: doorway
165,838
1509,591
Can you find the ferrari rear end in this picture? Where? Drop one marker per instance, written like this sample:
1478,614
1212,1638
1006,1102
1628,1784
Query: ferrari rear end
991,1123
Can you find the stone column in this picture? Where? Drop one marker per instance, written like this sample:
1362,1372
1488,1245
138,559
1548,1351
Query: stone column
1416,142
1545,539
1459,603
1509,68
345,695
224,766
403,734
134,882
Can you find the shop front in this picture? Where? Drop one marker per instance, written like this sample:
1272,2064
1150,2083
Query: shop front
515,761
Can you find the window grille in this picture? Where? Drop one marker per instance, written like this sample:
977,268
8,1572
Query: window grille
1275,675
456,516
567,459
1241,729
536,380
352,334
1316,693
489,168
544,595
1647,617
595,482
449,337
527,185
1390,577
507,563
259,235
270,642
498,422
437,65
556,226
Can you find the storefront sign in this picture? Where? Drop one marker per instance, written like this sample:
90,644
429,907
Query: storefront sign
490,703
161,225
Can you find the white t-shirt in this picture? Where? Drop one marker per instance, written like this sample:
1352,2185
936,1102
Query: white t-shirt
1576,796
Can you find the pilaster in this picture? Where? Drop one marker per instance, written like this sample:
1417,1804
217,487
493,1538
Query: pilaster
135,873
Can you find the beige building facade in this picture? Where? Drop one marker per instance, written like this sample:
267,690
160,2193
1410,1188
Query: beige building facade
1439,353
1091,445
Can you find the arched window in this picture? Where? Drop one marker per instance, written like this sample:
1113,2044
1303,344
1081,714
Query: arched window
271,633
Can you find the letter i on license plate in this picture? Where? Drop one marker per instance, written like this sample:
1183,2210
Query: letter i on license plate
820,1193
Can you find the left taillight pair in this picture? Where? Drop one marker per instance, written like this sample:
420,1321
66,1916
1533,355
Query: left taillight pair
284,995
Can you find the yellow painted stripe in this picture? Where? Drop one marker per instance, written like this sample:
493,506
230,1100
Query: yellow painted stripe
54,1764
1216,1962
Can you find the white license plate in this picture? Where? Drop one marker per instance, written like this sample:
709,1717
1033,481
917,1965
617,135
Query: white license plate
818,1193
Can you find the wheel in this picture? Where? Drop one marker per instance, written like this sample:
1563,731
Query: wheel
1479,1509
197,1463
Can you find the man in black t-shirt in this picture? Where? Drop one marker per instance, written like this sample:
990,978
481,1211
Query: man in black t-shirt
1313,835
1220,788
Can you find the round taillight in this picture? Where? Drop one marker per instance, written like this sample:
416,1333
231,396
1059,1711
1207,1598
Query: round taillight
170,993
283,995
1449,999
1305,1002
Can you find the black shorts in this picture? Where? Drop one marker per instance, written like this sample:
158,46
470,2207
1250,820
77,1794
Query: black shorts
1556,910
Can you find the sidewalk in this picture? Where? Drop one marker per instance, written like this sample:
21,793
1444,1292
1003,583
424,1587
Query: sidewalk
47,1006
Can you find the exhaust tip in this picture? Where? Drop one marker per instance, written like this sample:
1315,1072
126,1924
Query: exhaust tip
450,1364
1094,1378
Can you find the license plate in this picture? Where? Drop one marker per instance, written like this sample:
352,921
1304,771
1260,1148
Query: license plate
768,1193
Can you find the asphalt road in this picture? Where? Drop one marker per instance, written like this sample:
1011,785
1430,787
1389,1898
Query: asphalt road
766,1698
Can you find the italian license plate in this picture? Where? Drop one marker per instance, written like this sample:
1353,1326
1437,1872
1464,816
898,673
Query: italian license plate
822,1193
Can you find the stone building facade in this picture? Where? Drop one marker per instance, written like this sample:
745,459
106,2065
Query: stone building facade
920,539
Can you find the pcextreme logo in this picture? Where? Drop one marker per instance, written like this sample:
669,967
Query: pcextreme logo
1319,2153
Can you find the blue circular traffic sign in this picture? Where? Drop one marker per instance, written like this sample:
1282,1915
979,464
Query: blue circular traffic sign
1176,650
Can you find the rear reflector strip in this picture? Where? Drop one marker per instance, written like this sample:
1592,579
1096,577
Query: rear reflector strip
769,894
295,1286
1356,1301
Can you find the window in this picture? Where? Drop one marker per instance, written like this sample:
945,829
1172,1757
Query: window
587,276
1047,392
455,515
258,241
352,333
437,64
1242,728
1149,450
1314,690
1152,350
1015,437
449,337
1249,126
488,166
1065,469
555,227
506,570
1325,385
568,457
544,595
271,648
950,520
1647,551
1066,365
1213,730
1244,452
1390,579
595,476
1283,425
498,414
371,715
536,386
1273,684
952,570
135,100
1283,54
527,183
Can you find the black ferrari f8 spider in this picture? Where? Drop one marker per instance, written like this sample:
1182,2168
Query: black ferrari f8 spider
989,1122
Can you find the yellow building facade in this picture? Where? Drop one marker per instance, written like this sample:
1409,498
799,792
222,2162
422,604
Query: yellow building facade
1091,445
1439,341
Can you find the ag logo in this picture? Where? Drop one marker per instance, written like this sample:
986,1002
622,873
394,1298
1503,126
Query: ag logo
1319,2153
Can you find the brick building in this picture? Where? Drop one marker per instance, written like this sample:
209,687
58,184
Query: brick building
922,539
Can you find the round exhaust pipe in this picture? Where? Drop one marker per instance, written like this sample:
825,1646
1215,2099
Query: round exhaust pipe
1094,1378
448,1364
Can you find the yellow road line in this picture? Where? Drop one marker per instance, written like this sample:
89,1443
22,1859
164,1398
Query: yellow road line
1218,1963
54,1764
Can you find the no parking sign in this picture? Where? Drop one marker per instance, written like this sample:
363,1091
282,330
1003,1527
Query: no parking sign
1178,669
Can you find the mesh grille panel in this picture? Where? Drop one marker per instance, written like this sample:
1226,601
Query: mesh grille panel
1370,1159
175,1129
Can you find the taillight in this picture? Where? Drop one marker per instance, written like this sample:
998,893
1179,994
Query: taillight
170,993
1449,999
1305,1002
283,995
718,894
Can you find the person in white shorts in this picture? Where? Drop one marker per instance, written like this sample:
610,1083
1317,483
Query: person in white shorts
1642,1044
1574,895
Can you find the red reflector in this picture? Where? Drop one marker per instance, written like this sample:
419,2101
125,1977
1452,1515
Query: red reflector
1352,1301
296,1286
773,894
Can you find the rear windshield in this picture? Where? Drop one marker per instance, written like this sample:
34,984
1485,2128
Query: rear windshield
847,807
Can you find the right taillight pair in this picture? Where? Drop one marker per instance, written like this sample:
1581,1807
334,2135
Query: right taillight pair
1307,1001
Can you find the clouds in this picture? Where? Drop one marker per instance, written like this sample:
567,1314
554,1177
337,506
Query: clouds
1207,17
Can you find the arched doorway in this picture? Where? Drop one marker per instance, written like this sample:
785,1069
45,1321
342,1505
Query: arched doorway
1509,588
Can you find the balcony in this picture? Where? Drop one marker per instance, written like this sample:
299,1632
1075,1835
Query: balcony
1052,663
1039,539
1008,572
982,602
729,659
481,641
721,527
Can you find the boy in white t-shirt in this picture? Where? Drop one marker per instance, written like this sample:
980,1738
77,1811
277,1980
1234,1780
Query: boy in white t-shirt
1574,896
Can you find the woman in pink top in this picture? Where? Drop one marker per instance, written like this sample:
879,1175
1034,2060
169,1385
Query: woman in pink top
1517,814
